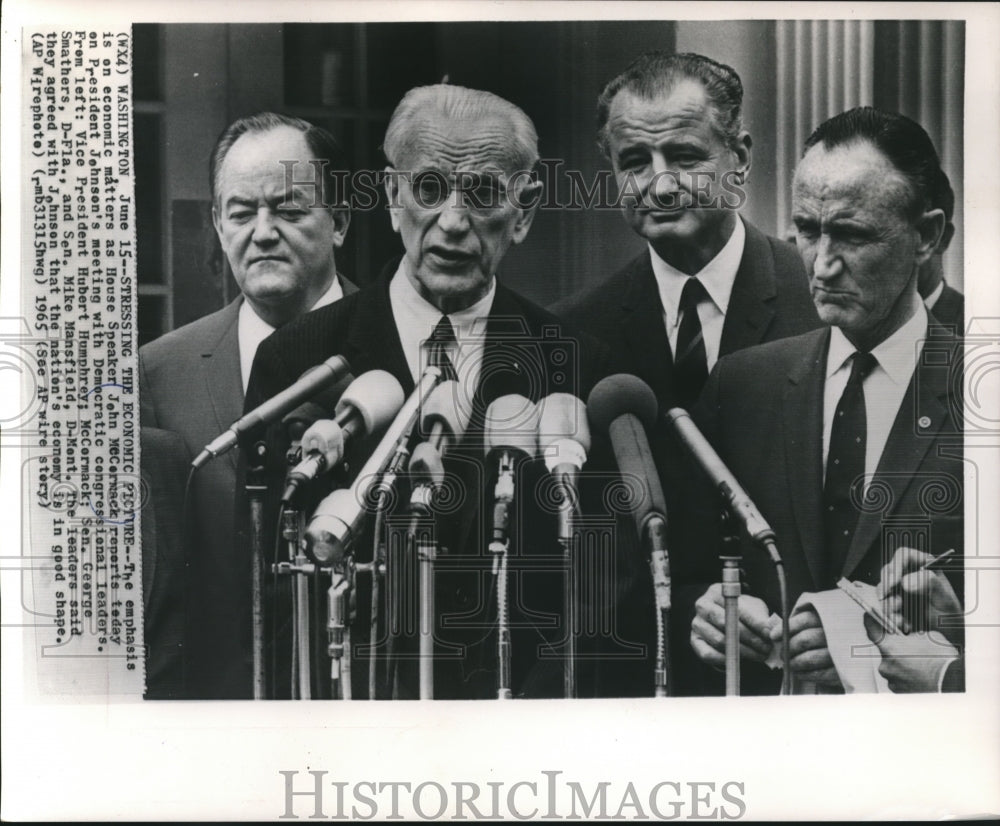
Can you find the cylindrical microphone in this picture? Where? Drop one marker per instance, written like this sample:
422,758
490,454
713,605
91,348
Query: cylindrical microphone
511,424
739,503
336,521
308,385
444,421
365,407
623,406
563,442
563,433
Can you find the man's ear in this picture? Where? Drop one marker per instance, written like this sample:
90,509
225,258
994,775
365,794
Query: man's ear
529,197
216,222
341,222
742,151
392,195
930,226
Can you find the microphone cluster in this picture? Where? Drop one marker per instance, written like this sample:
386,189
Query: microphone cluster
327,409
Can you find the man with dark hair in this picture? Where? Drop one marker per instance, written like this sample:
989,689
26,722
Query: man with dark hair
847,438
708,282
945,302
280,221
459,197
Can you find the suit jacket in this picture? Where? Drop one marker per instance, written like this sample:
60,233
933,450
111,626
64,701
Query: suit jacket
527,351
949,309
770,300
762,410
190,384
165,462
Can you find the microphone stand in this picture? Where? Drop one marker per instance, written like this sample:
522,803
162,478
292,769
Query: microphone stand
256,488
504,496
659,565
566,540
301,568
424,550
731,595
338,629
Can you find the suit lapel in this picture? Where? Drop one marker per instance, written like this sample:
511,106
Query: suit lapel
751,302
644,330
922,415
221,373
803,437
373,339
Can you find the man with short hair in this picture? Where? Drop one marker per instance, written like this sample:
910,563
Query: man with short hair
280,226
460,195
708,282
944,302
847,438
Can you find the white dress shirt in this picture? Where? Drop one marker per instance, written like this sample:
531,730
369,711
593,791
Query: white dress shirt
251,329
884,387
416,319
717,277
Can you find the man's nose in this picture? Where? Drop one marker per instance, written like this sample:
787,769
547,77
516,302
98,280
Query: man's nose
665,184
454,215
828,264
264,228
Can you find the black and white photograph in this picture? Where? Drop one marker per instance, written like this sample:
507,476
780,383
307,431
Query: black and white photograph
610,367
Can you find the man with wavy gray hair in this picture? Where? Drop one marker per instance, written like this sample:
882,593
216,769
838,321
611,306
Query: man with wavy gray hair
460,192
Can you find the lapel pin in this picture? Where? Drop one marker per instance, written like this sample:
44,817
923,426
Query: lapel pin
924,421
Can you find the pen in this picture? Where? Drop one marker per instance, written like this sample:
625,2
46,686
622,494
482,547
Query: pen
929,565
932,564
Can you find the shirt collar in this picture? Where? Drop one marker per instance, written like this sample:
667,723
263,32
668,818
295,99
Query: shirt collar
253,322
897,355
424,316
717,276
932,299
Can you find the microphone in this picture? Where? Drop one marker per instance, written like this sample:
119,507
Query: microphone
320,406
367,405
511,426
623,406
445,423
742,508
308,385
510,430
563,441
739,504
336,521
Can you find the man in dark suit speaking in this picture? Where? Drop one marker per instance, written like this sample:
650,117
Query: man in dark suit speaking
848,438
460,193
281,241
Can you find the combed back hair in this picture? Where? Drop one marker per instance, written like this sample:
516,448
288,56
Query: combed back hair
903,141
655,73
321,143
444,102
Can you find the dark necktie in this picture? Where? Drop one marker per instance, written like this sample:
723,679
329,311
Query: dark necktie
690,361
441,339
845,466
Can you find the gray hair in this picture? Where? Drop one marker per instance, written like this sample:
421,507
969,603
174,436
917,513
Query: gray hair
449,102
